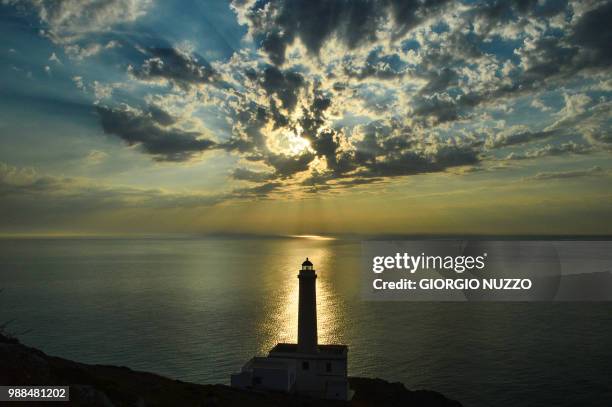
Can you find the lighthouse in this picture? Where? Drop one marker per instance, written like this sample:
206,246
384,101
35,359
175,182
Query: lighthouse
307,367
307,309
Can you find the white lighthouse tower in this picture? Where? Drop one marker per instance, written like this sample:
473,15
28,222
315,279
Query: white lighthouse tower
307,367
307,311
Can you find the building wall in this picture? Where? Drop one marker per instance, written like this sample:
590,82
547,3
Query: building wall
314,379
272,379
266,374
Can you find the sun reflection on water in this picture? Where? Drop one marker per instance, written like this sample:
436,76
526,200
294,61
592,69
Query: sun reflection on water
282,322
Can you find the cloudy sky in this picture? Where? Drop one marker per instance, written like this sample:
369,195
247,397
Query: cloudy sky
305,116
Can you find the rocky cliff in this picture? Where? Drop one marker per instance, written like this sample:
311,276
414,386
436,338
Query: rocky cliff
98,385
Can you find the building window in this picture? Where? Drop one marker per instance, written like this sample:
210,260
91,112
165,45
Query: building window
305,365
328,367
256,380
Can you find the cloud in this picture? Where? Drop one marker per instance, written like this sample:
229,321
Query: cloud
152,131
244,174
594,123
285,85
40,192
95,157
30,199
277,24
539,104
410,162
516,135
176,66
552,150
53,58
593,32
359,181
574,105
582,47
286,166
257,191
378,65
67,20
593,171
338,93
442,108
80,52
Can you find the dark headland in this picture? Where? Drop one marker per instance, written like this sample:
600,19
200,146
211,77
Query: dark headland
99,385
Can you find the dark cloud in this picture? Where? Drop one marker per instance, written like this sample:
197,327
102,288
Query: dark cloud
285,85
440,109
326,144
359,181
602,138
439,81
278,24
567,174
448,156
257,191
318,188
325,182
553,57
148,131
552,150
313,116
377,65
547,58
286,166
385,150
247,137
324,141
178,67
244,174
550,59
161,116
411,162
594,32
520,136
494,14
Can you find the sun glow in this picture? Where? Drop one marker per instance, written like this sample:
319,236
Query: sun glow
296,144
313,237
286,142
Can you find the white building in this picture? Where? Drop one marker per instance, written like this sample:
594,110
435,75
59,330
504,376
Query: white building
305,367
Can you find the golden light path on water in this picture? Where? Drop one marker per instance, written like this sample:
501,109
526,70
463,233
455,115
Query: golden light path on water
282,322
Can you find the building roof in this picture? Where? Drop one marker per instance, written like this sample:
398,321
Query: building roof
306,262
324,350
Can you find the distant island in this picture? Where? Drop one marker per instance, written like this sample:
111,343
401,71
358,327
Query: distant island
100,385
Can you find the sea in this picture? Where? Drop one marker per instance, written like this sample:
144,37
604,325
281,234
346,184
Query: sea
196,309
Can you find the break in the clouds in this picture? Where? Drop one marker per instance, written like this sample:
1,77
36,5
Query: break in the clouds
299,98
